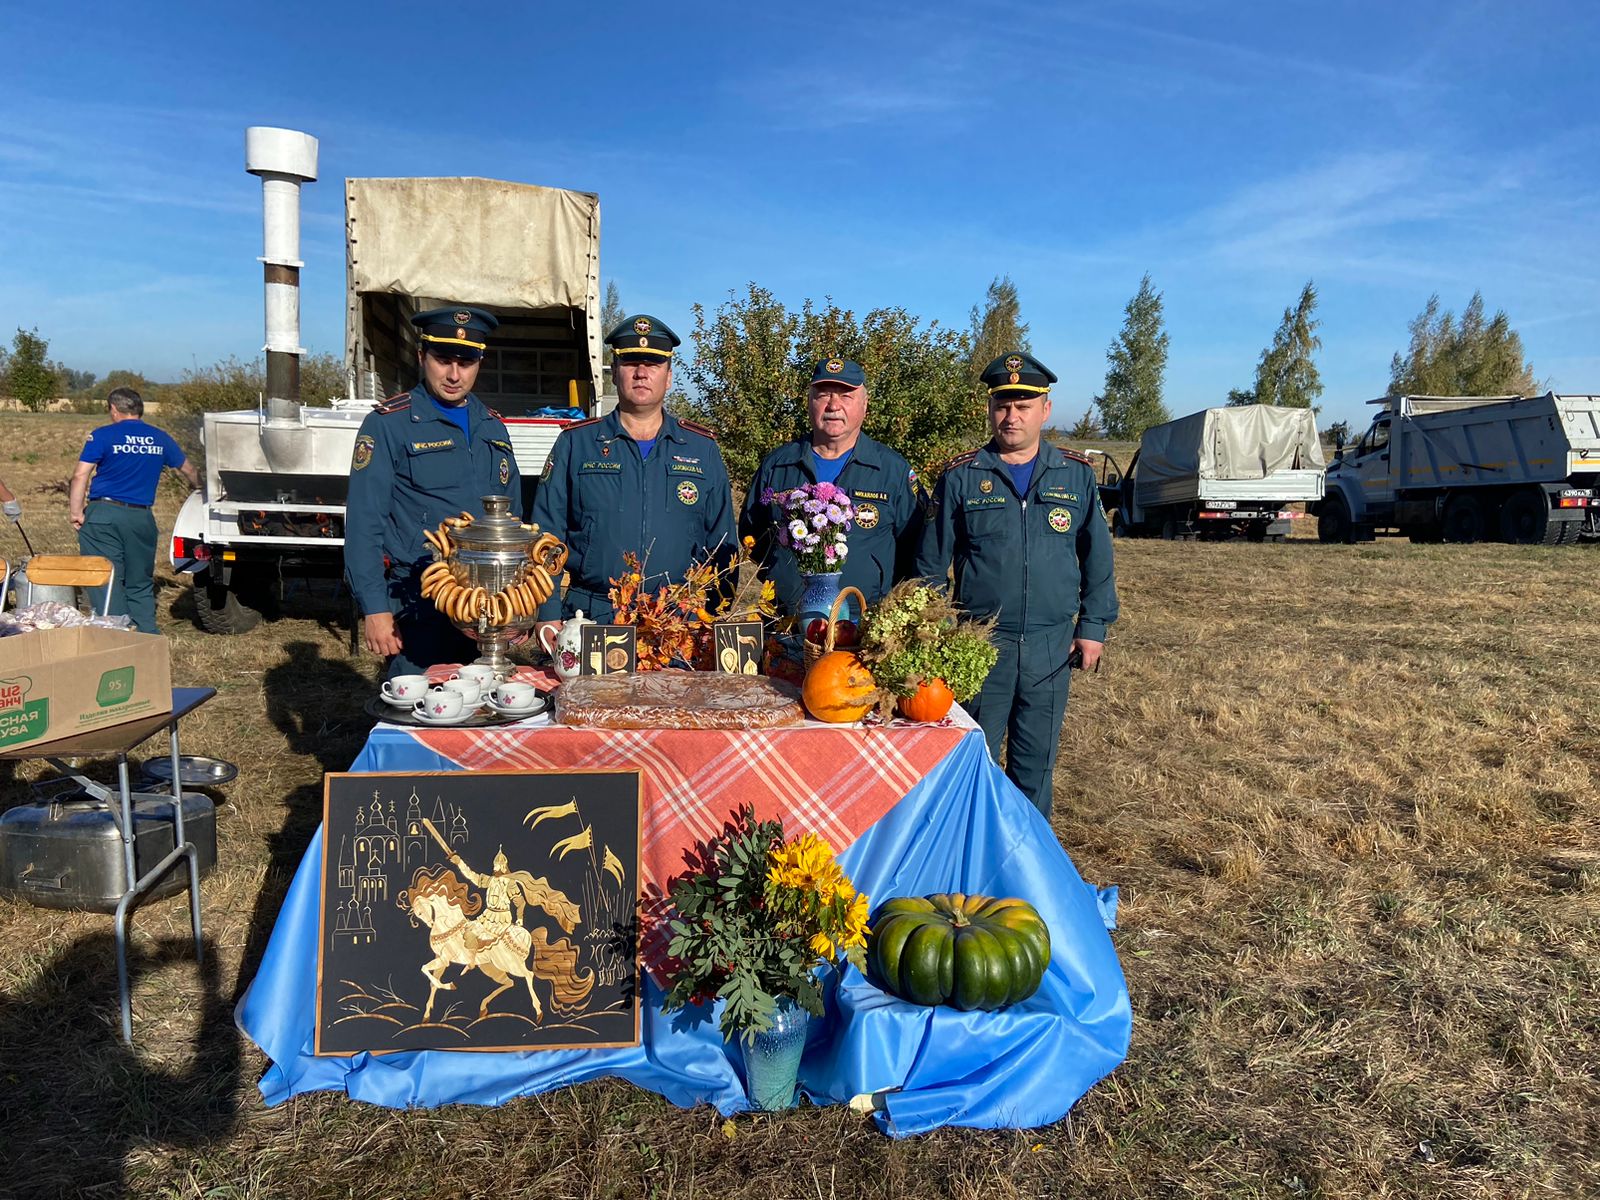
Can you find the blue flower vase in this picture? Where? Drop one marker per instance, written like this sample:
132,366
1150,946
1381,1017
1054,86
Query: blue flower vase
820,593
772,1058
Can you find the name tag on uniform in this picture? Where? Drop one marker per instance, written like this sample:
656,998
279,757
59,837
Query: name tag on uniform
985,502
684,468
600,465
429,447
1058,494
505,447
863,494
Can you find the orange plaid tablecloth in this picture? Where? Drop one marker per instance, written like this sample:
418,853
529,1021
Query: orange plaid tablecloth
832,780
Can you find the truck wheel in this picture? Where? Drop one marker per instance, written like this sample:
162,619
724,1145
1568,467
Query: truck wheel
1119,527
219,609
1463,520
1525,520
1333,521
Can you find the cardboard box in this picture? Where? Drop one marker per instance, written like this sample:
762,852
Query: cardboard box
55,683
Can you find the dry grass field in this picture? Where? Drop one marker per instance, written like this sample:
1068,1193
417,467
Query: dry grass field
1349,793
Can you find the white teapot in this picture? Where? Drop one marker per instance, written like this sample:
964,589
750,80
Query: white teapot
563,647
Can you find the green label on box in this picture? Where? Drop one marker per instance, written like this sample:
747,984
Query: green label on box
116,687
26,723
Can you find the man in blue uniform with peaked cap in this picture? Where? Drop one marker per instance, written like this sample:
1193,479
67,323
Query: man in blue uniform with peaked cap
638,479
429,454
1020,520
881,484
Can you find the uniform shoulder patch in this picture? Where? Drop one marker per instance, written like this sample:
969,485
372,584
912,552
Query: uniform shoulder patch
581,424
696,427
959,460
1075,456
492,413
394,404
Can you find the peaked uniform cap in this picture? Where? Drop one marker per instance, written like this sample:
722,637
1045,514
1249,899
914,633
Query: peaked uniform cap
457,331
1015,374
642,338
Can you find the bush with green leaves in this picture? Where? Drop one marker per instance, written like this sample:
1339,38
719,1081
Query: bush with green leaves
752,364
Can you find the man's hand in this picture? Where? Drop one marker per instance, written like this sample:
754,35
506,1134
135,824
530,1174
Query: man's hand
378,634
1091,652
12,509
77,518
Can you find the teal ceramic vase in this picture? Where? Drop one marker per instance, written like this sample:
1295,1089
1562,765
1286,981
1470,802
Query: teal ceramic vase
772,1059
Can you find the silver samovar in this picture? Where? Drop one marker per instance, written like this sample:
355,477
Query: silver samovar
501,555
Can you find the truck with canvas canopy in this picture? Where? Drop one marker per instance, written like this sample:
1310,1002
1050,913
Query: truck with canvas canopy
1220,472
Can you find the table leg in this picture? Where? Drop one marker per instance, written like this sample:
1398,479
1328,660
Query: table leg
130,890
193,854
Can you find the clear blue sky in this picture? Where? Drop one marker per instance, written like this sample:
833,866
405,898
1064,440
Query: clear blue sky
881,154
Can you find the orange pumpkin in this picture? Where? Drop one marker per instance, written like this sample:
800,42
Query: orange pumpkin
930,702
839,688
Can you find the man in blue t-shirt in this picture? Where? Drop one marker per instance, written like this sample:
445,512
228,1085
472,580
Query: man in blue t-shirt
117,474
882,487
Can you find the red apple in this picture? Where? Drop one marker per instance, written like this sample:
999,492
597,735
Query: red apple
845,633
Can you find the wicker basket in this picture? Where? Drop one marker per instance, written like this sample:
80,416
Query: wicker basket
814,651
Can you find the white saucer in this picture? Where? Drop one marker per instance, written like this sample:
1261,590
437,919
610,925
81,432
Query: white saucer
396,702
461,718
538,708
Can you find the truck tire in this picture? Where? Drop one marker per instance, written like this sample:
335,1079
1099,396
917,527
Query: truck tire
1333,521
1463,519
219,609
1119,527
1525,520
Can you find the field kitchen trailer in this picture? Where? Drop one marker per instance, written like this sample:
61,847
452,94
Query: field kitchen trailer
1220,472
277,477
1469,469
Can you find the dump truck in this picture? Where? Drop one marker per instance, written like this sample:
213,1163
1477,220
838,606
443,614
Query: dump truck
1218,473
277,477
1469,469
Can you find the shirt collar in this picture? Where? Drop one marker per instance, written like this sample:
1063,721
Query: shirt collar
611,427
425,408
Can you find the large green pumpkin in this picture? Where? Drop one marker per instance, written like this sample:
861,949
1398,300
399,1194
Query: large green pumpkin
967,951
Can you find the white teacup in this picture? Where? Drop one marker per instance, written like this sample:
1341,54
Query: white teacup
515,696
405,687
442,703
470,690
480,674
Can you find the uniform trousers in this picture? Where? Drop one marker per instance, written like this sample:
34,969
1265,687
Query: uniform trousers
127,536
427,638
1025,698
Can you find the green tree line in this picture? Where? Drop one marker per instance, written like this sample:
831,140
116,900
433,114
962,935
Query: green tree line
750,360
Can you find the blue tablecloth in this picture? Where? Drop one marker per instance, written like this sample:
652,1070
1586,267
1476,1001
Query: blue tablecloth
963,828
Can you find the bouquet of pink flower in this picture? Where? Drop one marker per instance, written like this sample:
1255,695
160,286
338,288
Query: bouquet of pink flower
816,516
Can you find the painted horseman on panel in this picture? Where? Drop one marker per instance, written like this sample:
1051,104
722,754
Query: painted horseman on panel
494,943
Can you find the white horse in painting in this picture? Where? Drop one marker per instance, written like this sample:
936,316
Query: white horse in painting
456,934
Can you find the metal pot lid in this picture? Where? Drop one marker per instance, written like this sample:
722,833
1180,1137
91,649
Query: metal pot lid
195,770
496,530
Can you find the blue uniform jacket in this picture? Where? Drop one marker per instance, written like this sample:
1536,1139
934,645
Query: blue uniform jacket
412,468
599,497
882,487
1038,561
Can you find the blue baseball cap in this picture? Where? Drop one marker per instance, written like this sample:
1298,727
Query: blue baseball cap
839,370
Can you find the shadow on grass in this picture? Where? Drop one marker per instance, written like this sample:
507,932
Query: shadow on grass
76,1100
316,703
